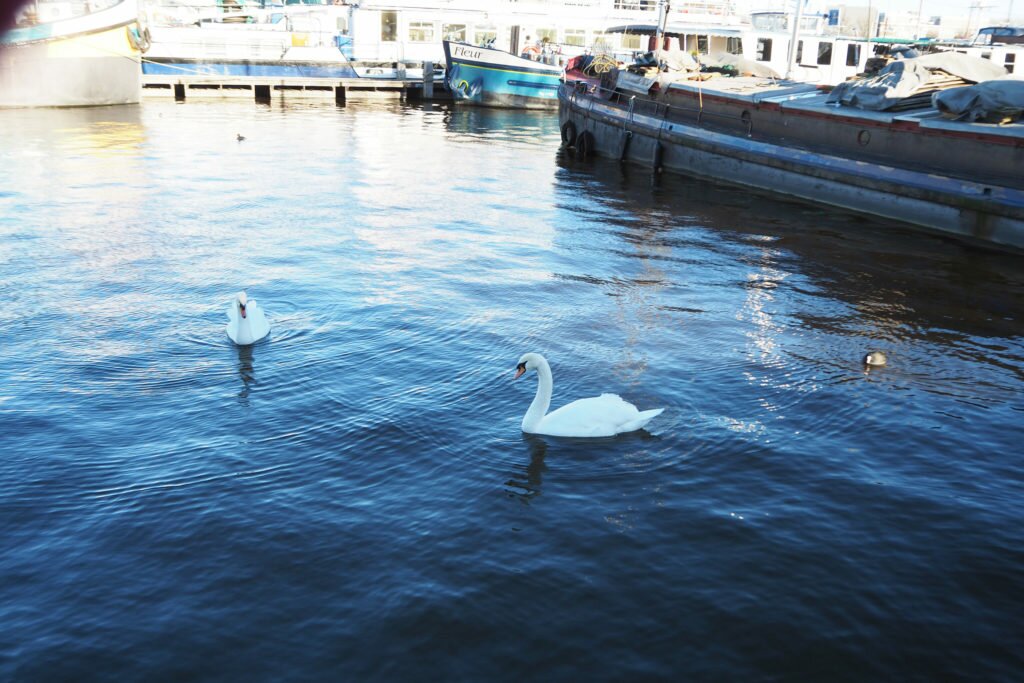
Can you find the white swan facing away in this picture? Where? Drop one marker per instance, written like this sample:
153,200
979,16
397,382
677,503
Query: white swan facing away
604,415
246,322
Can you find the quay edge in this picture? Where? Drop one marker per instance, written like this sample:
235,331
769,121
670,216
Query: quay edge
972,211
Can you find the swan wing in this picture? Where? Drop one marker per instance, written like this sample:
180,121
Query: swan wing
604,415
257,321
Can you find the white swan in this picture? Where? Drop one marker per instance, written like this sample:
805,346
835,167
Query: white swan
604,415
246,322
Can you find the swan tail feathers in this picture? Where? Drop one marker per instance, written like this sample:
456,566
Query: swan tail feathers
641,419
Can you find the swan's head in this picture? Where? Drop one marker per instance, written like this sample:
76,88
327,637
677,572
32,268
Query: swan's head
875,358
241,302
528,361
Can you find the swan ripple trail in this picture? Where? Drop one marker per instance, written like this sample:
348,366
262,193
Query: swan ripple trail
357,484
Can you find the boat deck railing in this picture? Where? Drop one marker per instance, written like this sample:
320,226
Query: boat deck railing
658,109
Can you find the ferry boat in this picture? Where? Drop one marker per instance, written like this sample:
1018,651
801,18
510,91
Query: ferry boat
913,165
62,54
494,78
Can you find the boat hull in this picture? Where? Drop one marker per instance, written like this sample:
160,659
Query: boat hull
84,61
492,78
973,211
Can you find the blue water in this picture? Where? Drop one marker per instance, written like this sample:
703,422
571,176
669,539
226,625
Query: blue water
353,499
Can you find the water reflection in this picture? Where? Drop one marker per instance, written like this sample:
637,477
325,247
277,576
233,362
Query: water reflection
246,371
528,488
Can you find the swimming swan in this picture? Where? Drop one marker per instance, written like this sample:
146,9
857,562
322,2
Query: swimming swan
246,322
604,415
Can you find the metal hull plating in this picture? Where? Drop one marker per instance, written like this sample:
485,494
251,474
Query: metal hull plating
492,78
81,61
245,68
974,211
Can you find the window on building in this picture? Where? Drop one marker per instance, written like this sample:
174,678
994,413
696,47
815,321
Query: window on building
824,52
389,26
421,31
455,32
549,33
852,55
734,46
483,36
575,36
764,49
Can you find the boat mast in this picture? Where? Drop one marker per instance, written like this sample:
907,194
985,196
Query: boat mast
793,40
663,7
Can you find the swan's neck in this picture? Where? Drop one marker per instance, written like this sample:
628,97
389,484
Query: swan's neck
539,407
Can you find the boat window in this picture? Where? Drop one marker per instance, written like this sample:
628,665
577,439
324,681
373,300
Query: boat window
549,33
799,52
986,55
1010,59
764,49
824,52
421,31
575,36
454,32
630,41
734,46
602,42
484,36
852,54
702,45
389,26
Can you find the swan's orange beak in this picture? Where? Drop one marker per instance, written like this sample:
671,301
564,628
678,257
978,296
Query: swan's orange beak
520,369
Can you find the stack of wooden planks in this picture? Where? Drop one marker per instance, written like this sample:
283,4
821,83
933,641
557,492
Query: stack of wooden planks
922,97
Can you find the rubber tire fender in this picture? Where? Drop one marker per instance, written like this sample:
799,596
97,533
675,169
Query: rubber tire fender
585,145
568,133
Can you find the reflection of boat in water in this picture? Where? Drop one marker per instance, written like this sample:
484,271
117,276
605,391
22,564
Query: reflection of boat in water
495,78
65,55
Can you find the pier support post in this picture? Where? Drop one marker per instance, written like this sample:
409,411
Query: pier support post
428,80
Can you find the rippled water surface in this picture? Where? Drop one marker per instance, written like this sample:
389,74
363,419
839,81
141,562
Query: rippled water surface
353,499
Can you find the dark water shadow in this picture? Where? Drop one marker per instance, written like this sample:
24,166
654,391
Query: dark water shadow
246,371
525,485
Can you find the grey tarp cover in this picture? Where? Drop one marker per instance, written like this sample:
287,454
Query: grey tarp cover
744,67
989,101
901,78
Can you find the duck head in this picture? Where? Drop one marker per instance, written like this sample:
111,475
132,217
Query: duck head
875,358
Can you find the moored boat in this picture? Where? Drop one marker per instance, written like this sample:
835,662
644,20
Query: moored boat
912,165
64,55
495,78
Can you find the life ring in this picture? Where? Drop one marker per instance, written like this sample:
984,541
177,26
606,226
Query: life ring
531,50
585,145
568,133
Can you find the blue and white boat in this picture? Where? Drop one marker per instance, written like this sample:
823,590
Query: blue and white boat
494,78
